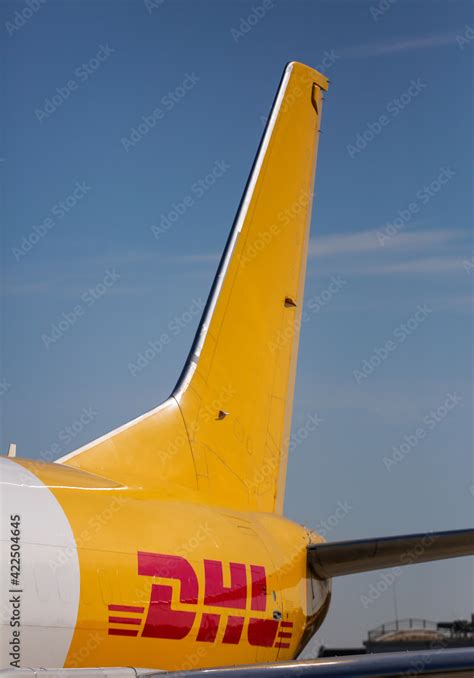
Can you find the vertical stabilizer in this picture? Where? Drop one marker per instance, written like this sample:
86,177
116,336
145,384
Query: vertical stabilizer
236,391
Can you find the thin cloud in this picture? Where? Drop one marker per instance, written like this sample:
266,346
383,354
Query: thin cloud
462,303
429,265
118,258
204,258
400,401
372,252
378,240
24,289
402,45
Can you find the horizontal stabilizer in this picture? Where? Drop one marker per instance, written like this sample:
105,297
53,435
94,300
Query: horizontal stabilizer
363,555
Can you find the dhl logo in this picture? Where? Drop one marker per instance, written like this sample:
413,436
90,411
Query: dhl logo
162,621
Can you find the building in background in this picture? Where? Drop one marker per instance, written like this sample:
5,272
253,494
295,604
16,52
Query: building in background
411,634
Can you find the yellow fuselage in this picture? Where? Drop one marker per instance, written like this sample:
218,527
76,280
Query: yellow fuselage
162,583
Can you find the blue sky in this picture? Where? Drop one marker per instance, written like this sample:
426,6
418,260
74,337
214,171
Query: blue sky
129,131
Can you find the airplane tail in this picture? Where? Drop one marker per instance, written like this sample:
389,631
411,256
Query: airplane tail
225,430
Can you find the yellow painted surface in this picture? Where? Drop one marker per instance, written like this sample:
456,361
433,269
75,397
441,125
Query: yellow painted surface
111,524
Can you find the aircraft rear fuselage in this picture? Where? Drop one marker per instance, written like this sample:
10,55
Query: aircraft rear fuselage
99,574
